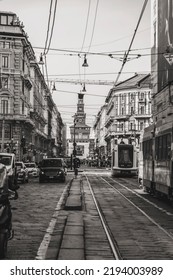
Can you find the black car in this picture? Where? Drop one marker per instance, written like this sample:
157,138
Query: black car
52,169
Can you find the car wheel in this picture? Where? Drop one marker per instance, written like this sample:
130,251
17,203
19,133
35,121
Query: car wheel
63,180
41,180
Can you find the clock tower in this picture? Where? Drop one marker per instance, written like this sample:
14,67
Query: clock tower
80,131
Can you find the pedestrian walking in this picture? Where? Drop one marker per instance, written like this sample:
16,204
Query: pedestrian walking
76,172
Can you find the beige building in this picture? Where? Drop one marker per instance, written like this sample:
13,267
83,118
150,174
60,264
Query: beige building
126,113
28,115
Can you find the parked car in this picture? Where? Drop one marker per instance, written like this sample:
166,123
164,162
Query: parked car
22,172
8,159
52,169
33,170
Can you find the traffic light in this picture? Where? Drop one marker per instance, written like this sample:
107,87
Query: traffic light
24,150
23,142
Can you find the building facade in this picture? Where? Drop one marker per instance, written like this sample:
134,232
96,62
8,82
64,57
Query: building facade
27,110
127,111
100,132
80,132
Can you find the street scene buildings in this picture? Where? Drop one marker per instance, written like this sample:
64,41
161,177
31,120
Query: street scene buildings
29,114
31,125
98,162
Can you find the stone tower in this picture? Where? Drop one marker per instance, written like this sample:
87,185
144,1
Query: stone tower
80,131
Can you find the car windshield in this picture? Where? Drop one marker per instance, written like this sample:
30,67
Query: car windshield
30,165
51,163
19,164
6,160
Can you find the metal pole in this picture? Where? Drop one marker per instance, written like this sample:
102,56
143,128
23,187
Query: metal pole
74,145
3,133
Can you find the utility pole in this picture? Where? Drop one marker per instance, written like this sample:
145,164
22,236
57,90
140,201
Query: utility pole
74,144
3,118
3,133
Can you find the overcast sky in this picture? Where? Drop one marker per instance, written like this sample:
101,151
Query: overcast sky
115,22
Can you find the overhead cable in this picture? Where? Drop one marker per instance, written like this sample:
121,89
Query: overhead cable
127,53
93,26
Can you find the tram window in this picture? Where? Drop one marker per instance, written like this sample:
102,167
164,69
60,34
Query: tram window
168,146
125,156
156,148
160,145
163,147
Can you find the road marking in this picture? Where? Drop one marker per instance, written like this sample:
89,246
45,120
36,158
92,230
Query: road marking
42,250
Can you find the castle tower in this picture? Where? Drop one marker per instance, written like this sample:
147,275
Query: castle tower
80,131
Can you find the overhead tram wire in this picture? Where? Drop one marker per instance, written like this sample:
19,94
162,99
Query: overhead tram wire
86,26
118,53
47,35
92,35
126,54
53,23
48,43
93,26
85,93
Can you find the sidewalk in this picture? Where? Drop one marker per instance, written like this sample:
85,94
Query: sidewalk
67,242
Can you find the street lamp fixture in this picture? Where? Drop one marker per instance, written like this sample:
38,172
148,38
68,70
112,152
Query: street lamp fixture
85,63
84,89
41,62
54,87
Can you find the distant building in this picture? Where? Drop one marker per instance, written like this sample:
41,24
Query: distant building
127,111
80,132
100,132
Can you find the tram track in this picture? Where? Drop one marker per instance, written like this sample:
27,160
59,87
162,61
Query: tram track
136,190
111,240
123,211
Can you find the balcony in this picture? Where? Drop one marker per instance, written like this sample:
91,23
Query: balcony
27,81
122,117
109,121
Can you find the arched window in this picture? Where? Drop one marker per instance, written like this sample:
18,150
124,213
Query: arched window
4,106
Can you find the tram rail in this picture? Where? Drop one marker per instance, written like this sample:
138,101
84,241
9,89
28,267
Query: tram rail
138,208
111,241
139,228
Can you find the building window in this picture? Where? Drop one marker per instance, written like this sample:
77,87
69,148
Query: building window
23,107
142,110
4,45
5,61
141,126
6,19
4,106
131,110
116,111
4,82
121,128
7,131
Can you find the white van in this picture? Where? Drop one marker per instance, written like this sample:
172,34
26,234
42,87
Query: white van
9,161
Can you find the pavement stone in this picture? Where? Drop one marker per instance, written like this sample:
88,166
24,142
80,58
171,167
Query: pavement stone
72,254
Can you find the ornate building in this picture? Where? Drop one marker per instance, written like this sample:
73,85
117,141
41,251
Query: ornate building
30,124
80,132
127,111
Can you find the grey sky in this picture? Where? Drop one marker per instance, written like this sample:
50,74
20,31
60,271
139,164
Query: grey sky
115,24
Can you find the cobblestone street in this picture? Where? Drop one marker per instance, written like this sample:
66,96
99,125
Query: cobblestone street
32,212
